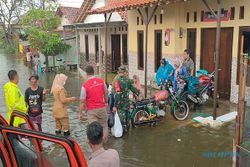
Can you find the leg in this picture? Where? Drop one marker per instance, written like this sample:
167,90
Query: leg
92,116
58,127
102,116
65,126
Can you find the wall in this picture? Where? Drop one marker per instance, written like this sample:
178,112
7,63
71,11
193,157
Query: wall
91,37
174,17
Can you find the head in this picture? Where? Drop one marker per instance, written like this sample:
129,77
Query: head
13,76
34,80
121,71
186,54
95,134
178,62
163,62
135,78
59,82
89,70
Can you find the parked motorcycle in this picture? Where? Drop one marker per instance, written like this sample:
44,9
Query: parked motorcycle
197,90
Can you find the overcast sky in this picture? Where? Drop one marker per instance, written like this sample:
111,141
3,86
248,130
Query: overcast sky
72,3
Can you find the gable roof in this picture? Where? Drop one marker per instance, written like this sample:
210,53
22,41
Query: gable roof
69,12
87,6
124,5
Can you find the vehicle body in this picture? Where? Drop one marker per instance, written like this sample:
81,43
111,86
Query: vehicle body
25,147
199,94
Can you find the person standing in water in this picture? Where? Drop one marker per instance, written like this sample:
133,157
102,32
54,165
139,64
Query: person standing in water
61,100
34,97
14,97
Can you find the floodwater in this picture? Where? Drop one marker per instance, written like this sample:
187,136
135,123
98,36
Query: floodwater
169,144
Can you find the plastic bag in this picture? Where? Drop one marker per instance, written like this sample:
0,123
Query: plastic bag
117,129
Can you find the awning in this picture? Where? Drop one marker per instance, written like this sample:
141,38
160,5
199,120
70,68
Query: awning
123,5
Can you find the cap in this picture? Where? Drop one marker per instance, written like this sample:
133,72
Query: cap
121,69
35,76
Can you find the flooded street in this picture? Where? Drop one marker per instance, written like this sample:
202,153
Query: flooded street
169,144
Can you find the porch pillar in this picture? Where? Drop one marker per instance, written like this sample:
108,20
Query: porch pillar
100,51
217,51
146,20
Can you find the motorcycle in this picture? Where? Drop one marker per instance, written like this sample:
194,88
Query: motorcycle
197,90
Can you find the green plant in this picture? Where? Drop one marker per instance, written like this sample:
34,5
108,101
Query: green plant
10,49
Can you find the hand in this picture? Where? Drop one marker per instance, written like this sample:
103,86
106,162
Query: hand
114,109
80,115
44,91
74,99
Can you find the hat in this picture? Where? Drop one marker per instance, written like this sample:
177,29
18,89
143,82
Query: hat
35,76
121,69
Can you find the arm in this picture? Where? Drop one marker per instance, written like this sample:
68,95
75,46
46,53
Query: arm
82,105
43,94
65,99
133,88
192,68
27,96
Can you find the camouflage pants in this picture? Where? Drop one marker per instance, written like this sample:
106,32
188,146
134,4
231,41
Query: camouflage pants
124,115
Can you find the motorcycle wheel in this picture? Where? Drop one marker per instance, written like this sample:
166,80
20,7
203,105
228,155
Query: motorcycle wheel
139,117
180,110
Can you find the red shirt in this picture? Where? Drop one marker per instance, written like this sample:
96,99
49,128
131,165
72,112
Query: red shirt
95,93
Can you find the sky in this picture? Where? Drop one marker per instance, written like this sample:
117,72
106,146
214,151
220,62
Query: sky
71,3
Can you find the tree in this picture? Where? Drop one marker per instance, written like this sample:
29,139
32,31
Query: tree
10,10
41,35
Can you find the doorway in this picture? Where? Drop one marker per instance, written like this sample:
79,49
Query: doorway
158,48
191,44
208,38
244,31
116,51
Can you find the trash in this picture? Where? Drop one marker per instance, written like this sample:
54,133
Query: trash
179,140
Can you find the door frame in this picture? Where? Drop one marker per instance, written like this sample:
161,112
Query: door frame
195,41
155,49
201,57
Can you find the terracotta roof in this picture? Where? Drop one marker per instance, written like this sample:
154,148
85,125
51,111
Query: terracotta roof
87,6
124,5
69,12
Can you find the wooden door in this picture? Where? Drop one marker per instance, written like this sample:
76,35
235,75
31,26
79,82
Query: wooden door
208,39
158,48
116,51
191,44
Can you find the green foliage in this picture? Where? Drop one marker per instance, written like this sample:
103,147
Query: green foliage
42,19
10,49
42,23
50,44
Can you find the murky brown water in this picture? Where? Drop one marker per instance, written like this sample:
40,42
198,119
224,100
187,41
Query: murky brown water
169,144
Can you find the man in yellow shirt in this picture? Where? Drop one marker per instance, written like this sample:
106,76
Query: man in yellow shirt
14,97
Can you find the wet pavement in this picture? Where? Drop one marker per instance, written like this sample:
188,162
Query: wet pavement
170,143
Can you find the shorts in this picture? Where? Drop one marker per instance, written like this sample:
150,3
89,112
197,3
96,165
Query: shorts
100,115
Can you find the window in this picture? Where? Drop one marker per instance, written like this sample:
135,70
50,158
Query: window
187,17
242,11
125,49
232,11
160,18
87,47
96,49
202,16
195,16
138,20
155,19
140,49
141,21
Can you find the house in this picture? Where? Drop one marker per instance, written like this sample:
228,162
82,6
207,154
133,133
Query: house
91,32
70,58
177,25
